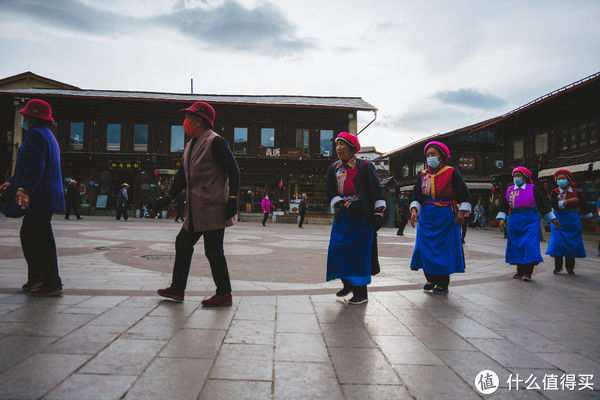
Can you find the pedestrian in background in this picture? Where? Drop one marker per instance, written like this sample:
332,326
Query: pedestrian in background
441,201
523,201
354,191
37,192
267,207
73,199
122,198
403,205
302,210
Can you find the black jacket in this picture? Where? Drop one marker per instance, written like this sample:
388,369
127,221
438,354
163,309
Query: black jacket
302,207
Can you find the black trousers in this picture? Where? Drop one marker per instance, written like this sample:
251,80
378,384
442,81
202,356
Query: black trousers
122,210
360,291
464,230
39,249
401,225
525,268
71,205
265,218
440,280
301,220
213,249
179,214
570,261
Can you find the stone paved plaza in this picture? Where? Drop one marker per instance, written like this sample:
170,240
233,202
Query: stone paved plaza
287,336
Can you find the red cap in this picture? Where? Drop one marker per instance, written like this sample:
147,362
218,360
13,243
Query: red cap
38,109
350,139
565,172
442,148
202,109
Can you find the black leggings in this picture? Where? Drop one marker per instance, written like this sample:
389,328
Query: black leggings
570,261
440,280
525,268
265,218
39,249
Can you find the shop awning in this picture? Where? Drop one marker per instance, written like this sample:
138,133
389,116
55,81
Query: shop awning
591,166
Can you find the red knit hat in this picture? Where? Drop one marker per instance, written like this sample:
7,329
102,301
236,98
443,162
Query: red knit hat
524,171
350,139
442,148
202,109
38,109
566,172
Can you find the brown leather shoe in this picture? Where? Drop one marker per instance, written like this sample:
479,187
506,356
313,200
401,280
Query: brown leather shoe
172,293
218,300
31,285
47,291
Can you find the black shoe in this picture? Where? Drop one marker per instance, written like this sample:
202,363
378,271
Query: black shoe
79,218
358,300
440,290
428,286
344,292
571,271
518,276
557,270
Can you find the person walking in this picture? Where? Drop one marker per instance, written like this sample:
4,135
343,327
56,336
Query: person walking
567,239
355,193
523,201
73,199
211,177
302,210
122,202
180,205
479,215
403,205
37,193
267,207
440,203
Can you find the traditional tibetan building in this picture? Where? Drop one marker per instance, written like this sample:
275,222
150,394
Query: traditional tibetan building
283,144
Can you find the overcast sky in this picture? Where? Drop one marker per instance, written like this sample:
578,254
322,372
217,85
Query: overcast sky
428,66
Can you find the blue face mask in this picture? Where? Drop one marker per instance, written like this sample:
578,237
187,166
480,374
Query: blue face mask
433,162
562,183
24,124
518,181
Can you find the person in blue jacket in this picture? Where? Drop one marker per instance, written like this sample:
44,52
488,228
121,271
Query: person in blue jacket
37,193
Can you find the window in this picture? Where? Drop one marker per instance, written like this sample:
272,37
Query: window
302,140
419,167
405,171
240,140
573,137
466,163
326,142
518,149
583,135
564,140
541,144
113,137
76,135
594,132
267,137
177,139
140,137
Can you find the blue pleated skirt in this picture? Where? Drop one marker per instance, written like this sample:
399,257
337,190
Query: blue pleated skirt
350,249
523,231
567,240
438,249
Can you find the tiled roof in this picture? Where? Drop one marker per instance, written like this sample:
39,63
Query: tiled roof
350,103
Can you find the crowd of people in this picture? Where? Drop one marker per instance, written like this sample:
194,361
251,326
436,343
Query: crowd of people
205,190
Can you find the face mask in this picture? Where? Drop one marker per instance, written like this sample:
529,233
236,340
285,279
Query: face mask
518,181
188,129
433,162
24,124
562,183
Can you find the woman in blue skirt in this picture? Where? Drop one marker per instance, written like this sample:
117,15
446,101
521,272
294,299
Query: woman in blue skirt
440,203
522,202
357,197
567,240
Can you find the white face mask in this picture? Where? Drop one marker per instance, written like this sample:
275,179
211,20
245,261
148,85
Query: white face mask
433,162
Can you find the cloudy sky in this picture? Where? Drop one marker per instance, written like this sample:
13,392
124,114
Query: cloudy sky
429,66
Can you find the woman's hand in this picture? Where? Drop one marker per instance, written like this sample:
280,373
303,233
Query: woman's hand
5,186
460,218
556,223
22,199
414,217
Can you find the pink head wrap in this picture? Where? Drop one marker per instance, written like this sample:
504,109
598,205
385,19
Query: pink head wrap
350,139
441,147
524,171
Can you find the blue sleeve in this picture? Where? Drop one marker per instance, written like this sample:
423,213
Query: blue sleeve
33,162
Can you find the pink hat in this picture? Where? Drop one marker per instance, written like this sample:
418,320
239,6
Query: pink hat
441,147
524,171
350,139
202,109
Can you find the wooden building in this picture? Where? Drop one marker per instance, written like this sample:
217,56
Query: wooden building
283,144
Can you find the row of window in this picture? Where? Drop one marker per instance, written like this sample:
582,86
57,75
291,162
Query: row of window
240,138
578,136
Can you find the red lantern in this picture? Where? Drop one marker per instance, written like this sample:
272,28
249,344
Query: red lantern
280,184
493,189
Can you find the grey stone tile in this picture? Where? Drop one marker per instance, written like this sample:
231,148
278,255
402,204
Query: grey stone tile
38,374
531,340
294,305
468,364
251,332
92,387
170,308
171,378
85,340
208,318
379,325
142,301
244,362
335,313
505,393
362,366
6,308
124,357
572,363
406,350
440,338
258,301
155,328
34,313
14,349
434,382
242,390
468,328
194,343
379,392
297,323
346,336
124,317
300,347
83,310
102,301
305,381
509,355
255,312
